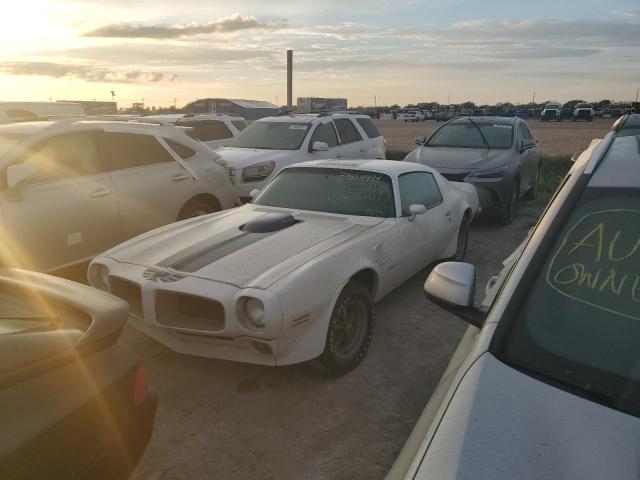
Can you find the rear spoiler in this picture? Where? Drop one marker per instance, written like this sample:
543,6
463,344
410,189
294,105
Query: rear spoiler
107,316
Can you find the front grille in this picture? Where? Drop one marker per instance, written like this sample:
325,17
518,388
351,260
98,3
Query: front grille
129,292
455,177
188,311
550,114
584,114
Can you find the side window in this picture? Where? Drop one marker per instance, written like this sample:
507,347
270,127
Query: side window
525,131
207,130
65,156
520,135
182,151
347,131
325,132
369,127
129,150
239,124
418,188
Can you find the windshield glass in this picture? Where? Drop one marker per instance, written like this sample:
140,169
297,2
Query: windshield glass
9,140
272,136
580,324
331,190
466,135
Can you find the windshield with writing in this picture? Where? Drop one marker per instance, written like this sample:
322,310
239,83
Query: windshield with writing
580,324
469,135
272,136
347,192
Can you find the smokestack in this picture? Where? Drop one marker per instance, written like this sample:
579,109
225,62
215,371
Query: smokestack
289,79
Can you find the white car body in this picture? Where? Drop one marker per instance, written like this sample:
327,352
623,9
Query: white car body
496,419
583,111
239,159
130,181
215,130
297,272
414,116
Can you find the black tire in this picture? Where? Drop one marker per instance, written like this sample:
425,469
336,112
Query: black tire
197,207
350,330
509,213
463,240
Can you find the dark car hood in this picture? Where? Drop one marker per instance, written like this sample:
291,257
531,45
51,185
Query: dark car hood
446,159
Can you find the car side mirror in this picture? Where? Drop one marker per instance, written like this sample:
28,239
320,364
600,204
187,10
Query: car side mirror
527,143
421,140
575,156
254,193
320,147
416,209
452,285
19,174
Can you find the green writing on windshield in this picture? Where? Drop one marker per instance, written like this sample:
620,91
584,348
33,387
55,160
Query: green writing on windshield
598,262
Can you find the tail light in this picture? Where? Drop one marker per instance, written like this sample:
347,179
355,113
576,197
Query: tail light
140,387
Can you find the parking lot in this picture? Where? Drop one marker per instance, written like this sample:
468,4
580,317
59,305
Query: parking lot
221,419
555,137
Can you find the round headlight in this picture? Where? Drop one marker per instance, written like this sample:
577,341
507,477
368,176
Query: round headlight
254,311
99,276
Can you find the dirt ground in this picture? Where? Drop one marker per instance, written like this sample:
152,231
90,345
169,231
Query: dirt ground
224,420
554,137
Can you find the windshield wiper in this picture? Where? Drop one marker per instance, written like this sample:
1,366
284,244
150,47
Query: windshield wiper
480,132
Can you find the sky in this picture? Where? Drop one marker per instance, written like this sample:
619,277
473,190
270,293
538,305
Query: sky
162,52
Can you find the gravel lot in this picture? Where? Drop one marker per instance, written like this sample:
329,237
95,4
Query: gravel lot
554,137
227,420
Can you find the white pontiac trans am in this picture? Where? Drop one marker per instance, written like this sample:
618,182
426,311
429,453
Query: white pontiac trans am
294,275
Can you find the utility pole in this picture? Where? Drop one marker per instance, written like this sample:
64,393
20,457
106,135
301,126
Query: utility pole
289,79
375,102
276,99
533,101
449,99
637,91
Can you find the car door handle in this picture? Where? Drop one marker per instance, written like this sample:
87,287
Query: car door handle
448,214
180,176
364,149
338,155
101,192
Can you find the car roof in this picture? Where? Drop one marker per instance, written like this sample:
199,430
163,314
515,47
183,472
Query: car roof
620,167
25,128
486,119
310,117
390,167
627,121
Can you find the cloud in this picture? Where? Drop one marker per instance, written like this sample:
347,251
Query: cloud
83,72
150,55
629,12
230,24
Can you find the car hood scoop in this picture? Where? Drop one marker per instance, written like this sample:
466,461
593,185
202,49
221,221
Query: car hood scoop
271,222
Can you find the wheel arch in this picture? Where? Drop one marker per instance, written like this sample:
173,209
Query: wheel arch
204,197
367,277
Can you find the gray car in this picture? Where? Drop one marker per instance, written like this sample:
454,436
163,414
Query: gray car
498,155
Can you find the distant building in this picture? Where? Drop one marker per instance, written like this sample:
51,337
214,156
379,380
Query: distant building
96,108
315,104
248,109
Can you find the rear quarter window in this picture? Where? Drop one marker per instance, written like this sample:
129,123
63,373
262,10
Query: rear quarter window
369,127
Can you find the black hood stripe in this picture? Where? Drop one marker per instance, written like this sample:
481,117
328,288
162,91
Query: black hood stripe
197,260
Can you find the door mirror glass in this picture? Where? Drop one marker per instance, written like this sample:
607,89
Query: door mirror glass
421,140
453,283
416,209
320,147
20,174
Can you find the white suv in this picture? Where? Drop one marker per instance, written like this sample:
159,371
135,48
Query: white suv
216,130
75,188
271,143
